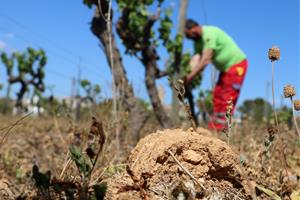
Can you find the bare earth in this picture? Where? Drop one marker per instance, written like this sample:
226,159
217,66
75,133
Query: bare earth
210,160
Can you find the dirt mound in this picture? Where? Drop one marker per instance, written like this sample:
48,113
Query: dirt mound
153,173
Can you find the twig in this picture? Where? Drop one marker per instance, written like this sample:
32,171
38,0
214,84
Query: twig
185,170
95,161
180,89
229,132
66,165
12,126
114,86
228,116
65,168
16,123
98,178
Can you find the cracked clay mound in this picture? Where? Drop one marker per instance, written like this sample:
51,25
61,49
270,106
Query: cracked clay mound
153,174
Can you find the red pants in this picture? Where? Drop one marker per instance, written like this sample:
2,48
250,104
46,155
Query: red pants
228,87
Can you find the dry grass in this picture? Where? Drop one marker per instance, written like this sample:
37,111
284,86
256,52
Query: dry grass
44,142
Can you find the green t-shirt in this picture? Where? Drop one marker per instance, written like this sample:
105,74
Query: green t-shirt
226,51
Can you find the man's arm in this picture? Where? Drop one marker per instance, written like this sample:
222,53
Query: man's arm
205,59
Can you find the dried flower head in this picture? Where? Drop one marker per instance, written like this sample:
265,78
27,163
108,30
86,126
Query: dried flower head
180,82
297,105
77,137
289,91
90,152
274,53
180,89
272,130
97,130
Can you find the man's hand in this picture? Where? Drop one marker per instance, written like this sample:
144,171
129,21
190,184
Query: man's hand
195,60
201,63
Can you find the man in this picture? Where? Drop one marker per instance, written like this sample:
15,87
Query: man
218,48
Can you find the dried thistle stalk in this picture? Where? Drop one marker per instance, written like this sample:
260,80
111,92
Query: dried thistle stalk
228,116
274,54
289,92
180,89
96,130
268,141
296,107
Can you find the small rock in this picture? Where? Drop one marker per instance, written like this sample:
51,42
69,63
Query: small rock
192,157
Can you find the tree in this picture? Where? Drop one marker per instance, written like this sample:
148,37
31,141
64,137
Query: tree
91,91
102,30
180,31
29,72
258,110
141,38
285,115
136,27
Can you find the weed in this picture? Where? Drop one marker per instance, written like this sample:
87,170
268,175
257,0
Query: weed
289,92
274,55
268,141
85,162
228,117
180,89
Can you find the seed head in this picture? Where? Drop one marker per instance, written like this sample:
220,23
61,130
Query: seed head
180,82
297,105
272,130
274,53
90,152
180,89
289,91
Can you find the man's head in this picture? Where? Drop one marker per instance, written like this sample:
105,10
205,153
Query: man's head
192,29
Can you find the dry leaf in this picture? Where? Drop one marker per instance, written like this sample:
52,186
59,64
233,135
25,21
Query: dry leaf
295,195
268,192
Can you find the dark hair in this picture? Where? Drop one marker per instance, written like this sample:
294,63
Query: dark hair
190,23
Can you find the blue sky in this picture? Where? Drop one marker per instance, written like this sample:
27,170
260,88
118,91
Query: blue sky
62,29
